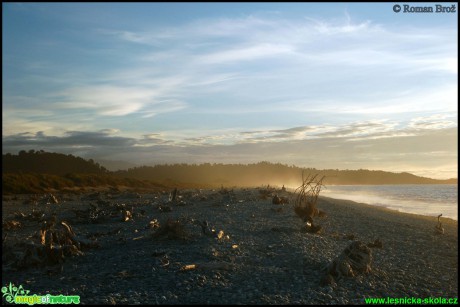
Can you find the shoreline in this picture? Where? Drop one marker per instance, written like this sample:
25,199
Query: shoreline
384,208
424,200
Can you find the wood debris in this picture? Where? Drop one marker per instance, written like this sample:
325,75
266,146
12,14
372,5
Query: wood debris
355,259
438,228
57,241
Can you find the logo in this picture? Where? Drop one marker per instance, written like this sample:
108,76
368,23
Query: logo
18,295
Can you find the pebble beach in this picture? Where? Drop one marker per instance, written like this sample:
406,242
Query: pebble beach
260,253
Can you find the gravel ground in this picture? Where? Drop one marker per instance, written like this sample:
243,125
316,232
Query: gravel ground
267,258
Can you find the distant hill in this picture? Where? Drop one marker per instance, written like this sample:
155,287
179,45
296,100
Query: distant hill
263,173
24,172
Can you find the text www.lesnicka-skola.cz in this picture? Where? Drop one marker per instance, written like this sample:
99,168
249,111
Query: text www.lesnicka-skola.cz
412,300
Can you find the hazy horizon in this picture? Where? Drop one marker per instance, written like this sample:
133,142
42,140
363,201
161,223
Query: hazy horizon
123,165
320,85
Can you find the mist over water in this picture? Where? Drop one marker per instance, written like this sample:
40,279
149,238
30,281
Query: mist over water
430,200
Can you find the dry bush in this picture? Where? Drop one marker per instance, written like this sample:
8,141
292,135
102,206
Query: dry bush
307,197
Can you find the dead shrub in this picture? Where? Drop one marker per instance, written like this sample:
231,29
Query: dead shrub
307,197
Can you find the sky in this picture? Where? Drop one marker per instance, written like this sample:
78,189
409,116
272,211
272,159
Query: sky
323,85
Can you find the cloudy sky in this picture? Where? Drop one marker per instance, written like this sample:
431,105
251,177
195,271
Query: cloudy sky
332,85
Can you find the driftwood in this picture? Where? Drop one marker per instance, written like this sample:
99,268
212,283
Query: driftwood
438,228
355,259
126,215
153,224
307,197
207,266
188,267
173,195
207,230
57,241
54,233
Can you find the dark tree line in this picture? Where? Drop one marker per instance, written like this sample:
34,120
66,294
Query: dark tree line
49,163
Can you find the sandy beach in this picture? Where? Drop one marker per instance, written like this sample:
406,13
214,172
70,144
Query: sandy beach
263,256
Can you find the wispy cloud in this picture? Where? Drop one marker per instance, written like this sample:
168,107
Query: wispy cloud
354,131
105,100
103,138
260,51
433,122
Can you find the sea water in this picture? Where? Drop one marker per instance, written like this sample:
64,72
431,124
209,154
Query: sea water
424,199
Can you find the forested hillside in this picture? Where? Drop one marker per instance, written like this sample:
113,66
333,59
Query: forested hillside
36,171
